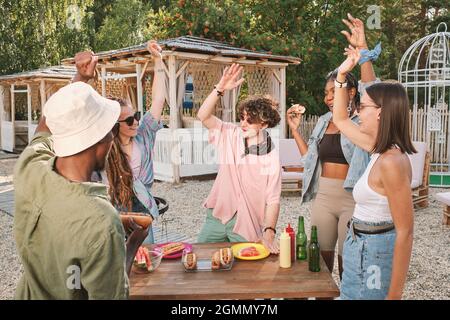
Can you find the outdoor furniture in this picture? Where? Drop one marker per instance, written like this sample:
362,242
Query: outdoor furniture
291,164
420,174
247,280
444,197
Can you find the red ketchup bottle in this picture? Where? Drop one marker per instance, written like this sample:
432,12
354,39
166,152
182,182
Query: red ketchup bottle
291,233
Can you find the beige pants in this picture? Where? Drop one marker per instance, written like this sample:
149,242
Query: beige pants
331,210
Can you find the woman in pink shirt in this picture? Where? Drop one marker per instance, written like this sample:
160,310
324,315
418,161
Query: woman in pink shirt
244,202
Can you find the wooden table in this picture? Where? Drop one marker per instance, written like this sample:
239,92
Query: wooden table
247,280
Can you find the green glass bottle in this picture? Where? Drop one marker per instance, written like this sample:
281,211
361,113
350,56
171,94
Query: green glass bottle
301,240
314,251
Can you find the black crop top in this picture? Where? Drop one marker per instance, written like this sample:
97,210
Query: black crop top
330,149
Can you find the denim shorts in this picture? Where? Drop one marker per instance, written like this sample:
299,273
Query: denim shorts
367,263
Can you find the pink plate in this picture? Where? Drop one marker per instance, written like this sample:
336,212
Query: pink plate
176,255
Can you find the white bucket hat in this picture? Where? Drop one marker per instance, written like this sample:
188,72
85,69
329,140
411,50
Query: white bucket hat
79,117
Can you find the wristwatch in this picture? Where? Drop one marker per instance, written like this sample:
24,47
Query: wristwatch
338,84
219,93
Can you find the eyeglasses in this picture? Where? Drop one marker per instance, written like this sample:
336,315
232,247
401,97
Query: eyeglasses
242,118
361,106
130,120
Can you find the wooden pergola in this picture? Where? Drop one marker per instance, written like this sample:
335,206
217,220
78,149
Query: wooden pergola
128,73
30,89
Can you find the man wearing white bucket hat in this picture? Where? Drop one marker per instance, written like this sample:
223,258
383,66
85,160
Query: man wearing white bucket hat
69,237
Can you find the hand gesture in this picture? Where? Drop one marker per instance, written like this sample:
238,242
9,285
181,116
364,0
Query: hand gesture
136,234
353,56
86,62
294,116
229,78
269,241
154,48
357,38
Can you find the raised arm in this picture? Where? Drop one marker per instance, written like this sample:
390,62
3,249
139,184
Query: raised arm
340,113
85,63
294,116
158,94
357,39
228,81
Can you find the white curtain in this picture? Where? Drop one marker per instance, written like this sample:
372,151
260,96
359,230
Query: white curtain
181,88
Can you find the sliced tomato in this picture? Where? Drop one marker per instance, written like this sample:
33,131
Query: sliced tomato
249,252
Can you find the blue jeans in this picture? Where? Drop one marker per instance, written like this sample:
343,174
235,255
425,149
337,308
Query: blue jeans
137,206
367,263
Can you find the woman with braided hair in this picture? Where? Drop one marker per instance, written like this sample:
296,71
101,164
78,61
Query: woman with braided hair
129,168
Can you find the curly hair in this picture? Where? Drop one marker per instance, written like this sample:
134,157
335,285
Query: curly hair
260,109
119,172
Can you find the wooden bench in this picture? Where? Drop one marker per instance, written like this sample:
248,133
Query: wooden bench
291,164
444,197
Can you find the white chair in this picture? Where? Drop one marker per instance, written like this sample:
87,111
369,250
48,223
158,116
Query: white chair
444,197
292,165
420,174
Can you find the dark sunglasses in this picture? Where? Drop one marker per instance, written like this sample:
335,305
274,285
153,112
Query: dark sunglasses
130,120
242,118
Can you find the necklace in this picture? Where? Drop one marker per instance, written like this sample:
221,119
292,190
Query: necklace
127,144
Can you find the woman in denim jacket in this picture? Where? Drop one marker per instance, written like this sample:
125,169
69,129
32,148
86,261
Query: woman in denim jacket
332,163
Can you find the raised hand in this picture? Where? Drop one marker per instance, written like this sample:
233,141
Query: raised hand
357,38
294,116
230,77
154,48
353,56
85,63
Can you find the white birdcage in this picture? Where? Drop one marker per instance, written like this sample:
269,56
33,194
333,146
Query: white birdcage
424,70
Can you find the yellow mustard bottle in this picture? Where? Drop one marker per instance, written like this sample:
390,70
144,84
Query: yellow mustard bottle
285,250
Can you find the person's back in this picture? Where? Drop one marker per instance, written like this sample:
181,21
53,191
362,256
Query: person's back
65,232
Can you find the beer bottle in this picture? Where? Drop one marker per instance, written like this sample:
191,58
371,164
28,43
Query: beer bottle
301,240
314,251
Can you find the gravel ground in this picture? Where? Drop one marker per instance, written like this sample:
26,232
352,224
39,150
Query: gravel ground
429,274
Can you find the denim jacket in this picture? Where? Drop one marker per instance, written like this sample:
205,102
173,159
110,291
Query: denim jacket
355,156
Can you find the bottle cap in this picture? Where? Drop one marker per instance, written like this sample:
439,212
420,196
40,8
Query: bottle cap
289,228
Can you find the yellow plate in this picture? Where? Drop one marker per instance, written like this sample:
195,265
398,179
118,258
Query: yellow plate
263,252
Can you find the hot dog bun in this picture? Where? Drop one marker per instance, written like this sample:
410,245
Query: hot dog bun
141,219
190,261
215,261
226,255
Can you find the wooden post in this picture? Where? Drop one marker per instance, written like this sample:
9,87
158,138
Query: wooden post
30,134
173,122
446,216
13,118
43,95
140,102
283,103
2,110
104,81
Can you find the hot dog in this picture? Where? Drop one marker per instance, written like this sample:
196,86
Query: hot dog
215,261
171,248
225,256
141,219
190,261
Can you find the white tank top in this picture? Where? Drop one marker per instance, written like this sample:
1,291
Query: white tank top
370,205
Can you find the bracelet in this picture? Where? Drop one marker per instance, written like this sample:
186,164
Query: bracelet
270,228
339,84
219,93
370,55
